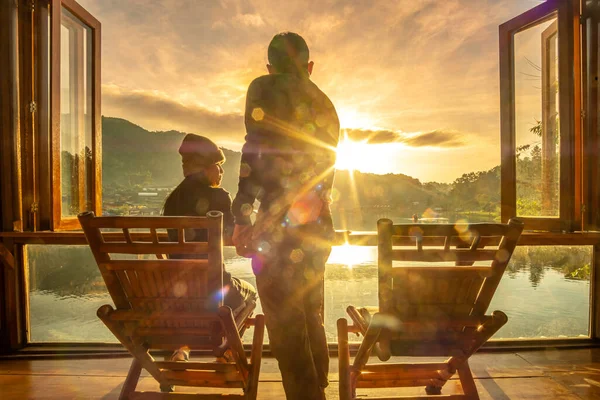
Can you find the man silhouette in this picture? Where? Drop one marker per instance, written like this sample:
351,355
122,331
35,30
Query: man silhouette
288,165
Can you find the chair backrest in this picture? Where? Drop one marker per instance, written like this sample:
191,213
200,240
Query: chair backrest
444,275
146,282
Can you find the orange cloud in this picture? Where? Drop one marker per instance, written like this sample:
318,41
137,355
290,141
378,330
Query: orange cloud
435,138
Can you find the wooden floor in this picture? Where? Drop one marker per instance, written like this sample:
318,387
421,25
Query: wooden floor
549,374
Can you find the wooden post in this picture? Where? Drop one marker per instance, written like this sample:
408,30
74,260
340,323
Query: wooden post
10,170
384,245
42,117
215,249
10,175
27,112
255,357
569,111
344,360
592,118
12,324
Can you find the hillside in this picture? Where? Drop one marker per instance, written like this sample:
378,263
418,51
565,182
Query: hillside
134,158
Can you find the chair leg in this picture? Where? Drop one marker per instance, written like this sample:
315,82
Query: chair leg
433,390
164,388
466,380
255,357
132,379
346,390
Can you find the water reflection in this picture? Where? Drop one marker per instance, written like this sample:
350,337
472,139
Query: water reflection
545,291
351,256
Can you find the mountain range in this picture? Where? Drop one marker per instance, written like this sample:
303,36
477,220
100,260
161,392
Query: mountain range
134,157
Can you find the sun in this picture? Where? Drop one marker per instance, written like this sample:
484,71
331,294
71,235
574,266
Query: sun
349,154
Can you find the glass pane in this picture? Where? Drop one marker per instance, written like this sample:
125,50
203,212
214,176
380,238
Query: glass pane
66,289
545,292
537,120
350,279
76,115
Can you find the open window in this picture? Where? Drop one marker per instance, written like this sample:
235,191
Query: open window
591,106
540,108
75,153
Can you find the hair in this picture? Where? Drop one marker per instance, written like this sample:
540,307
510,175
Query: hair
288,53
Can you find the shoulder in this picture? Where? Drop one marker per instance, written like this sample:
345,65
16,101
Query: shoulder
316,92
219,194
325,106
260,83
172,200
273,83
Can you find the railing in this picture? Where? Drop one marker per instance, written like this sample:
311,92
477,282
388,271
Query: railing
355,238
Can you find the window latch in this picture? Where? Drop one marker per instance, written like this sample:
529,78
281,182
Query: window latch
33,210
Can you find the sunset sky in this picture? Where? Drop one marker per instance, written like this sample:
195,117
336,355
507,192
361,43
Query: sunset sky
419,78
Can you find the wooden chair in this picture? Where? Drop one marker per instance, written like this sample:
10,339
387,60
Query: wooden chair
428,310
165,304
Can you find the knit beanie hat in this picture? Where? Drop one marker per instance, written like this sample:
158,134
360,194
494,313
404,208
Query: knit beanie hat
200,150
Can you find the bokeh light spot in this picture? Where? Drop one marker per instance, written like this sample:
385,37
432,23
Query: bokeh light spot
202,206
258,114
502,255
180,289
246,209
245,170
297,256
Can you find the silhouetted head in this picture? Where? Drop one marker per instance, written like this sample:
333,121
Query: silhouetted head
288,53
200,154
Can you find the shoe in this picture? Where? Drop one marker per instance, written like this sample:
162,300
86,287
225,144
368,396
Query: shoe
226,358
181,354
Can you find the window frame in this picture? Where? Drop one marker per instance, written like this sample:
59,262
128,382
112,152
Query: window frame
570,205
591,106
58,221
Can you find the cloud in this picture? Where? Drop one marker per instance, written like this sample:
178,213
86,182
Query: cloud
254,20
372,136
155,110
436,138
418,65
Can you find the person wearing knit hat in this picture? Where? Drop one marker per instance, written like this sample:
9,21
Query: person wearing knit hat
200,154
197,194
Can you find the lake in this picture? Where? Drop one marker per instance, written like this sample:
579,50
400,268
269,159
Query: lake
535,294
